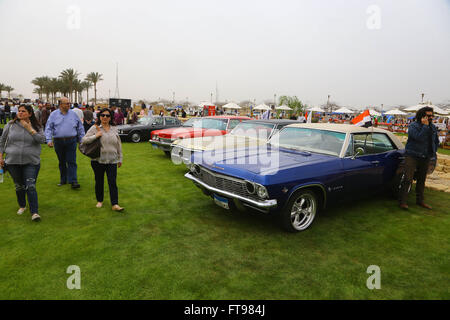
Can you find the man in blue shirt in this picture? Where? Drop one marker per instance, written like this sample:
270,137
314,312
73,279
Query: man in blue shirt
63,130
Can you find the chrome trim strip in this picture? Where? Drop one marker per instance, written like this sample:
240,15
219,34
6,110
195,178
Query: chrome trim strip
261,204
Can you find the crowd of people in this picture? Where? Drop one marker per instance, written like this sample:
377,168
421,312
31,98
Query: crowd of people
62,130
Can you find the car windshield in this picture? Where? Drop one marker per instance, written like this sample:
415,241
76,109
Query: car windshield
253,129
146,120
310,140
190,122
219,124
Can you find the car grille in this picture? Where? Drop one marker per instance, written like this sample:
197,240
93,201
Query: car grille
225,183
165,140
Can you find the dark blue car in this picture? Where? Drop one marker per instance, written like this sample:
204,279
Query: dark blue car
300,170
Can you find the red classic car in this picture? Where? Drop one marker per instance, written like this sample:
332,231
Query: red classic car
194,128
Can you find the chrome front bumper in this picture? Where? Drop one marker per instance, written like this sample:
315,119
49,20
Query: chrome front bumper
165,146
262,204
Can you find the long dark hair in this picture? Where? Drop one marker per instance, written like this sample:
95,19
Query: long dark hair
422,113
111,118
34,122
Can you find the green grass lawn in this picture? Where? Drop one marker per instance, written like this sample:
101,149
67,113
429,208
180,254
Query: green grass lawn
172,242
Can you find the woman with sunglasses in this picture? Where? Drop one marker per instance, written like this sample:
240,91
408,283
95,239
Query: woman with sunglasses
110,157
21,141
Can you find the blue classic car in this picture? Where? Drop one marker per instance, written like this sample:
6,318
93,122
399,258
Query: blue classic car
300,170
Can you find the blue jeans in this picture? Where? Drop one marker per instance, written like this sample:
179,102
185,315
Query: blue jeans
66,150
25,177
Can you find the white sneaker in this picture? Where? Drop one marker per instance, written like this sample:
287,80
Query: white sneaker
99,204
21,210
35,217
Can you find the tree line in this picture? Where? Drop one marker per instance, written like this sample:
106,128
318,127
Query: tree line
67,84
6,88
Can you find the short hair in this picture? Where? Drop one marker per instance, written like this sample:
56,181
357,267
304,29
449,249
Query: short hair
422,112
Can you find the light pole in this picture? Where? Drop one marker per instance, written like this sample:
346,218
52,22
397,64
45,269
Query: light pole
328,102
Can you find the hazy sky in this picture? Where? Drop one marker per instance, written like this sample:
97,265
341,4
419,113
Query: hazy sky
360,52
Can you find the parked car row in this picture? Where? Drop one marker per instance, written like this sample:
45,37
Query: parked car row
282,167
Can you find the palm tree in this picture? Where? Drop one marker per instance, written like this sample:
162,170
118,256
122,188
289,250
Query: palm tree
40,83
2,88
53,84
69,76
94,77
9,89
78,89
63,87
86,86
46,87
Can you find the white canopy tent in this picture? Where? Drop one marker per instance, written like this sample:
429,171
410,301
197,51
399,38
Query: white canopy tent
436,109
283,107
316,109
262,107
439,110
395,112
231,105
344,110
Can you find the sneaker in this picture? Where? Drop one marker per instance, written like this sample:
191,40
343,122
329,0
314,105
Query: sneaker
99,204
21,210
35,217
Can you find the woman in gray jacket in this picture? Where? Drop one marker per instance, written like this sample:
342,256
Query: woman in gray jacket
21,141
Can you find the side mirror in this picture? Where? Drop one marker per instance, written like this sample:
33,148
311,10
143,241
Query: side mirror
359,151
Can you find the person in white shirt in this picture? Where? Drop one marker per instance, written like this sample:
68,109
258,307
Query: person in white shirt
301,118
78,111
14,110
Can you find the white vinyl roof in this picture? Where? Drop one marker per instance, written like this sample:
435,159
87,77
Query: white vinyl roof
347,128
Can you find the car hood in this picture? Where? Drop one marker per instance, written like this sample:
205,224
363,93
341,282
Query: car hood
255,164
187,132
223,142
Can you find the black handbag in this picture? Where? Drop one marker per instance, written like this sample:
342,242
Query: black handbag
91,150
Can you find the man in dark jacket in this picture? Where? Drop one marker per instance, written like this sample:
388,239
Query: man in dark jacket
422,145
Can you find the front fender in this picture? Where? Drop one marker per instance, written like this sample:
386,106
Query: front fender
315,185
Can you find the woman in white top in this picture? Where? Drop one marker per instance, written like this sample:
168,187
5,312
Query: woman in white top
110,157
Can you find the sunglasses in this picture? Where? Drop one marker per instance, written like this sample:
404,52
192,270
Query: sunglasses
105,115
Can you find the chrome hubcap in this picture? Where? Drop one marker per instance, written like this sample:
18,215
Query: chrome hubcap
303,212
135,137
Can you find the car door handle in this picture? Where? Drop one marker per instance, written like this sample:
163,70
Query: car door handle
376,162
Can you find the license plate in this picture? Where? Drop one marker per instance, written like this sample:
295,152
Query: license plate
221,202
155,146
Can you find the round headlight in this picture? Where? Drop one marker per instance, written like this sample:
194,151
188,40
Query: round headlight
250,186
261,191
